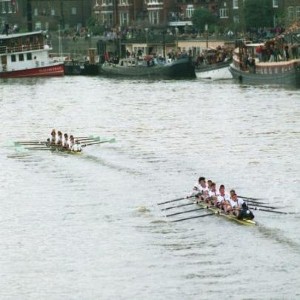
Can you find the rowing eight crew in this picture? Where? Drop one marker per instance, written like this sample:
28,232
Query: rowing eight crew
64,141
229,203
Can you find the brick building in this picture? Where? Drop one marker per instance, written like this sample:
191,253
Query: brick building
145,13
47,14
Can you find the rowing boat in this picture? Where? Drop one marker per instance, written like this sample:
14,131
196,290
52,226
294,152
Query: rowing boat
57,148
221,213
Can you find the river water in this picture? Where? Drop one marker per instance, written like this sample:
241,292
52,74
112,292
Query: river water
88,226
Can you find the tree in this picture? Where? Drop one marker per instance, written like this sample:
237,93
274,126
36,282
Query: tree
201,17
258,13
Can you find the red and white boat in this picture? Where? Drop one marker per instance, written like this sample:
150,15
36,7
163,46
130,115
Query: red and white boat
27,55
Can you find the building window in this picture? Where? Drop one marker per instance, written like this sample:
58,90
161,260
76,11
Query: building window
74,11
124,18
298,12
13,58
236,19
123,2
154,17
291,13
106,2
52,12
21,57
275,3
223,13
235,4
189,11
29,56
107,18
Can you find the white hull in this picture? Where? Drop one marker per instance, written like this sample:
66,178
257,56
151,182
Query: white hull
216,74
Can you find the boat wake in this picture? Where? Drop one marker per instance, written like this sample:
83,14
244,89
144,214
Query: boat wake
278,236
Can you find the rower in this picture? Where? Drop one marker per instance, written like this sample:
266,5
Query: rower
222,197
240,208
65,143
235,203
212,193
58,138
76,147
71,142
200,189
52,137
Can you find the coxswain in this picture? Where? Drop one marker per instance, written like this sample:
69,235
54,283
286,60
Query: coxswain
65,143
200,189
52,139
58,138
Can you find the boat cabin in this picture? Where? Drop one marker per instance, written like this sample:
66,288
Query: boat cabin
23,51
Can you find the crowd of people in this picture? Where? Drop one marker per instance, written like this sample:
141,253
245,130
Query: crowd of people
229,203
63,141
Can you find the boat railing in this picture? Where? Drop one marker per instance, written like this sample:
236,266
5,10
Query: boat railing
24,48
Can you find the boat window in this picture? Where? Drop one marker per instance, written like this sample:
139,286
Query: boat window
29,56
21,57
13,58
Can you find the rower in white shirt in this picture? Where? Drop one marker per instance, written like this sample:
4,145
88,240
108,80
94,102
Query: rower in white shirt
235,203
212,194
76,147
52,138
65,143
200,189
222,197
71,142
58,140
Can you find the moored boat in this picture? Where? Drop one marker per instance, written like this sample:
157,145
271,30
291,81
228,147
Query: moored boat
27,55
267,63
182,68
216,71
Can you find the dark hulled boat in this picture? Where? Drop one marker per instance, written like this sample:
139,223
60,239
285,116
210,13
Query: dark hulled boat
182,68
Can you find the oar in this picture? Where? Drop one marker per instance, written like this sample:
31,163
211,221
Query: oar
250,198
272,211
95,139
184,212
30,143
174,200
265,206
254,201
194,217
38,148
95,143
91,137
167,208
